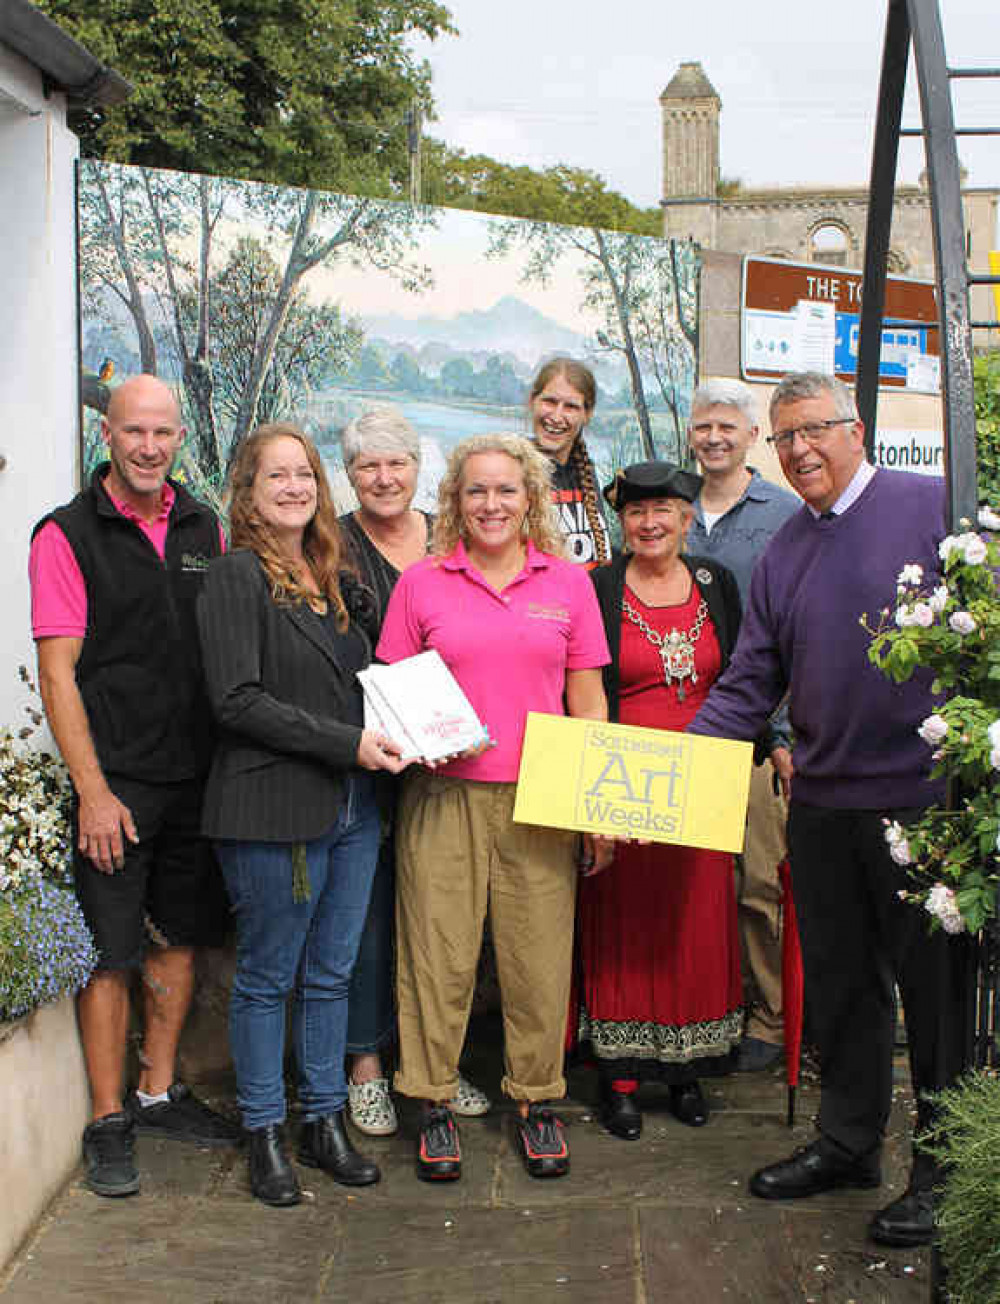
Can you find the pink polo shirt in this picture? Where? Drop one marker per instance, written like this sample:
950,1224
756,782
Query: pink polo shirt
510,651
58,591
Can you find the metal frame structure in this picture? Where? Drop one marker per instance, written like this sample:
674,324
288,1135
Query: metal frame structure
918,23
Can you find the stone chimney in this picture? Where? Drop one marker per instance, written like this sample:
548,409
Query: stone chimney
690,110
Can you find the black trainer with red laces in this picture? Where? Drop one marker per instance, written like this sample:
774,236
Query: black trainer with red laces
439,1154
543,1142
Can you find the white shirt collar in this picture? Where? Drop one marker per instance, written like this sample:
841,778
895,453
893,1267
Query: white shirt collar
859,483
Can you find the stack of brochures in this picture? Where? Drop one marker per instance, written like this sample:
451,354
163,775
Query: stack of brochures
418,703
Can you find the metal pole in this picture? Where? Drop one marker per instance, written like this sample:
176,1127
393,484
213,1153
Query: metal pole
880,199
948,220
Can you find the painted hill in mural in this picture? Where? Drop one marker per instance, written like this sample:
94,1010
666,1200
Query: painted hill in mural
510,326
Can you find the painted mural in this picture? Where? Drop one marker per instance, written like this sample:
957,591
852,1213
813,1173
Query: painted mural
262,303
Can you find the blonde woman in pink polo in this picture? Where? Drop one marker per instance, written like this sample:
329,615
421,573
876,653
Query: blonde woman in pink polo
520,629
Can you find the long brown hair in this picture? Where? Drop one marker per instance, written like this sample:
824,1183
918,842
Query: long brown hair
321,544
582,380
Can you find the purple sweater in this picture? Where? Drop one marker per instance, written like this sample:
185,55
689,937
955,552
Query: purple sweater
856,744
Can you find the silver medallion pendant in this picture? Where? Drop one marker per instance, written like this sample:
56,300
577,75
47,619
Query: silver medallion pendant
677,653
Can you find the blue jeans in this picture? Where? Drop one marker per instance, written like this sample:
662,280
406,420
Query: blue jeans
306,948
371,1003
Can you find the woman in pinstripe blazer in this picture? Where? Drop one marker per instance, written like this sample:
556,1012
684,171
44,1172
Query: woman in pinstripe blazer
290,799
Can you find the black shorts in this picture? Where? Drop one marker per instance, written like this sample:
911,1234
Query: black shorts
170,878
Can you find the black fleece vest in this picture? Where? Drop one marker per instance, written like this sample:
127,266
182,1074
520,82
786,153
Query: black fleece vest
140,669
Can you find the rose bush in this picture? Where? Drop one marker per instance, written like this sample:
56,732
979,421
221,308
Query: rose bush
952,630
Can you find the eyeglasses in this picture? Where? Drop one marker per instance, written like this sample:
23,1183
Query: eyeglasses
813,432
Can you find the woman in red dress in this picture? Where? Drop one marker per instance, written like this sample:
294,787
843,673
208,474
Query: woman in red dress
660,990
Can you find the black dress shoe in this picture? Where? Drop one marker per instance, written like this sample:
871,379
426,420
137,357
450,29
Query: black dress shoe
815,1168
688,1105
621,1115
324,1143
907,1221
272,1177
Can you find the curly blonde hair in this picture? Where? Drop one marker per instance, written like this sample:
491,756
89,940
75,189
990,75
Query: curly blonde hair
321,539
541,521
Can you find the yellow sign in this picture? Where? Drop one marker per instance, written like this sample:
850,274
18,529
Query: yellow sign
622,780
995,270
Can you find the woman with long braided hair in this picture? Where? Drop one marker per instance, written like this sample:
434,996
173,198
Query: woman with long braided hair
561,402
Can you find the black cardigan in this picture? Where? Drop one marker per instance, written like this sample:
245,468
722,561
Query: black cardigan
715,583
280,697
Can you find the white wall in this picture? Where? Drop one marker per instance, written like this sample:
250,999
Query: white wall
38,355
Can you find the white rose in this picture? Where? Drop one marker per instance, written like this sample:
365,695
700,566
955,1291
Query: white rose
900,852
938,599
975,550
904,616
993,734
923,615
947,546
961,622
941,904
911,574
933,730
988,519
995,758
893,832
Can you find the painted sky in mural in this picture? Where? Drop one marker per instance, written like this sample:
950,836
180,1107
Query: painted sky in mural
262,303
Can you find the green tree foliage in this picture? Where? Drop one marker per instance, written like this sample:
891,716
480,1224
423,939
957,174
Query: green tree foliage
301,92
573,196
987,382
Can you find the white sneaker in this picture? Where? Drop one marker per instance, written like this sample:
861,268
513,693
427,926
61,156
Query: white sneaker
372,1110
469,1101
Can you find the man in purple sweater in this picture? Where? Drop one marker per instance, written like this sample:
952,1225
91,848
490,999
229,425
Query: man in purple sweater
858,761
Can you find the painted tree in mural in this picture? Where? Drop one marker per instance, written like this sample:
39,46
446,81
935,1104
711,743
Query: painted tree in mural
666,324
149,240
315,343
631,283
324,230
137,234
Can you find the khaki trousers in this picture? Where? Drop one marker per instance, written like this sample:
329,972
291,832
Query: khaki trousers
458,855
758,895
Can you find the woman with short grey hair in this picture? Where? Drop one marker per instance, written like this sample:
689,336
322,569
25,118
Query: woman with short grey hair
382,537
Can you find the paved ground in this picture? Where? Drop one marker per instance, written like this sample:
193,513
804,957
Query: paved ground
665,1219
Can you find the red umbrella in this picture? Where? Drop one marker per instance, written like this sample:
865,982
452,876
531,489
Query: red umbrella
791,985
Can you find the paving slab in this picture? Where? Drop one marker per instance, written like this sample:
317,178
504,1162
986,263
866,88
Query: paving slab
750,1255
664,1220
490,1256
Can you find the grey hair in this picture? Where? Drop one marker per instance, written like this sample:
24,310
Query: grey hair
723,392
381,428
813,384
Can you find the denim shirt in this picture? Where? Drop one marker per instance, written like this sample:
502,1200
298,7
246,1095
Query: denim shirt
739,537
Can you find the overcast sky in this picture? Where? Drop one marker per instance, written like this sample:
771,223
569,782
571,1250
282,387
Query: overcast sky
567,81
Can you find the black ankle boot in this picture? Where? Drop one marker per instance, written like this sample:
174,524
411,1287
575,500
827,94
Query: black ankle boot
272,1177
324,1143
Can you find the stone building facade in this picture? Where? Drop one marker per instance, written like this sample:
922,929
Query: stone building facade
801,224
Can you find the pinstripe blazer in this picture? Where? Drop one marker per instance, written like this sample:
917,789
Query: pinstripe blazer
280,697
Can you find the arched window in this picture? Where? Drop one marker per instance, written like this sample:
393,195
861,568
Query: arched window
829,243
